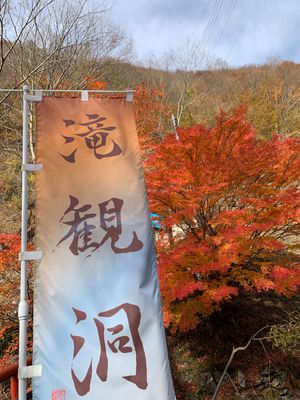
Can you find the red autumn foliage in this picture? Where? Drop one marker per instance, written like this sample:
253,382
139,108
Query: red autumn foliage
10,246
232,202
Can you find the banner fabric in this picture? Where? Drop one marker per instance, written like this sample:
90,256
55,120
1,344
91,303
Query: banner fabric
98,330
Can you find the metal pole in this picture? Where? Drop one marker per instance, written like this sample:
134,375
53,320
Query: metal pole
23,305
69,90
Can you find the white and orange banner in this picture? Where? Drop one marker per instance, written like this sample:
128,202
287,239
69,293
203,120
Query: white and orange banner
98,331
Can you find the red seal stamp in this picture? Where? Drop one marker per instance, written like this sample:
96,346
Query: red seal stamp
58,394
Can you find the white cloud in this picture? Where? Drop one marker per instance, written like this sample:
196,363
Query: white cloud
254,31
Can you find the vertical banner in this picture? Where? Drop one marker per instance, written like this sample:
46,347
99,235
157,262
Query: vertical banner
98,331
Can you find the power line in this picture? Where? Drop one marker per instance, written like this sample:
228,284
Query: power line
209,29
222,26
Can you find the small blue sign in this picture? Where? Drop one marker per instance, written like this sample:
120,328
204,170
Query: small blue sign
155,220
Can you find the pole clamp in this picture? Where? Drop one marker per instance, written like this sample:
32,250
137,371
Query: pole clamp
23,310
84,95
30,371
129,95
30,255
32,167
37,96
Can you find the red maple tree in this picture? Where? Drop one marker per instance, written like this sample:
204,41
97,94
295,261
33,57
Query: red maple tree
232,204
10,245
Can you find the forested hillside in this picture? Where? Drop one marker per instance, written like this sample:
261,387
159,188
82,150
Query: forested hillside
270,92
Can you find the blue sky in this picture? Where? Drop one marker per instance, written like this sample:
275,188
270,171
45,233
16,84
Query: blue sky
241,32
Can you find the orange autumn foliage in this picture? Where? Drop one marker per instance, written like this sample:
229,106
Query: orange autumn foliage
232,202
93,84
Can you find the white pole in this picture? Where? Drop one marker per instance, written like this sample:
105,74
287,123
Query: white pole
23,305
